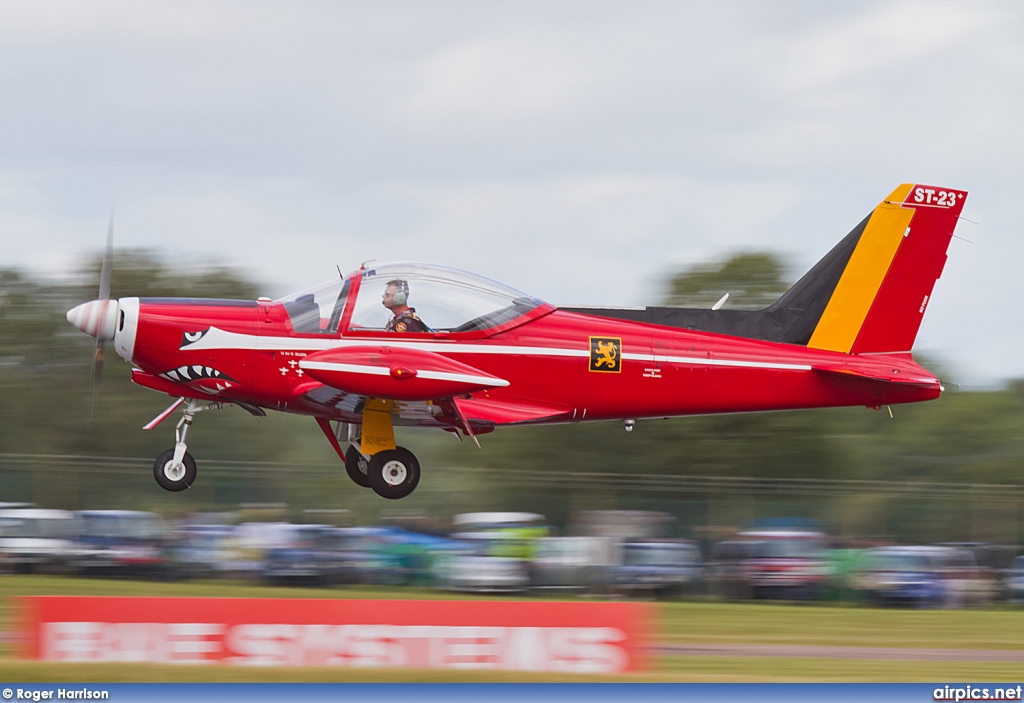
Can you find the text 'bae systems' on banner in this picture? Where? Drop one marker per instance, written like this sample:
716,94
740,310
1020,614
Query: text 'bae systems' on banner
501,635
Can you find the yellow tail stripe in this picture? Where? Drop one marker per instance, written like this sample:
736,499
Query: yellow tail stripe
849,305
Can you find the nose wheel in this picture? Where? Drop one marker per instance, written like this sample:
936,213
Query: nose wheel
174,474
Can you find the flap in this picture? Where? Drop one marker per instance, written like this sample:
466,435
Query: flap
508,412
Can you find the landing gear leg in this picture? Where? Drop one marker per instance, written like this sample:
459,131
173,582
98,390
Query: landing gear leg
175,469
392,472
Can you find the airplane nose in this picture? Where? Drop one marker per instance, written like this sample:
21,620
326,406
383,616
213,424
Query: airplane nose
97,318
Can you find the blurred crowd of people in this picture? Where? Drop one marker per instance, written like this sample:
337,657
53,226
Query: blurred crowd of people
609,553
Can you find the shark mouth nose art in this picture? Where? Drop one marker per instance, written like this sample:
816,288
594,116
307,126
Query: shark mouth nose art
206,378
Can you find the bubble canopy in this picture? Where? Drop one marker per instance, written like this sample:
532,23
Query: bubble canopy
446,300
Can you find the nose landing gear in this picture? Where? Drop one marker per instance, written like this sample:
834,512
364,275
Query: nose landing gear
175,469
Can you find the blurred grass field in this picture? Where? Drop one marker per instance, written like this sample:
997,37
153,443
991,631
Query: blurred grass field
680,623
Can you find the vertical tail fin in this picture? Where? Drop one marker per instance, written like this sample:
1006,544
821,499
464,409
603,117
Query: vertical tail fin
883,290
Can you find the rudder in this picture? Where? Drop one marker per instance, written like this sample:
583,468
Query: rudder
883,292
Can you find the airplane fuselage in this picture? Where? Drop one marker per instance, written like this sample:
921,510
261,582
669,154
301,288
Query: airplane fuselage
249,352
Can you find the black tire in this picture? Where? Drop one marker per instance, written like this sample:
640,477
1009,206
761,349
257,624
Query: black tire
167,479
356,466
394,473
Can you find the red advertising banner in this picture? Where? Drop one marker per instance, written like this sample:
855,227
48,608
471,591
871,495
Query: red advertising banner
576,637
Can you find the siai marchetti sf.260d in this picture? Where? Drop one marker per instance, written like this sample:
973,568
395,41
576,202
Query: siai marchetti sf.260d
408,344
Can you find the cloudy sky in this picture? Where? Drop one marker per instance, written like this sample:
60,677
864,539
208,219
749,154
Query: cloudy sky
580,151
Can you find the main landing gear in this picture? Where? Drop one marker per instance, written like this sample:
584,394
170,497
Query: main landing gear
392,473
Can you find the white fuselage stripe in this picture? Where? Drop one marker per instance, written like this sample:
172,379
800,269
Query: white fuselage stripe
219,339
385,371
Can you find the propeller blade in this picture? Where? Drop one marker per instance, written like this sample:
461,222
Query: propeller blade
104,294
97,376
108,259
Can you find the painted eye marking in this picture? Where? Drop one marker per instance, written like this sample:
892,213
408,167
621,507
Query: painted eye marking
192,337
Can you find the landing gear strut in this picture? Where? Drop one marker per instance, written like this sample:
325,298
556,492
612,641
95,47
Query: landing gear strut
175,469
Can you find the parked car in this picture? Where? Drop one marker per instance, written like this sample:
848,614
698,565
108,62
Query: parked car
662,568
517,532
992,565
198,551
923,576
786,564
245,549
1014,583
727,575
567,563
120,542
969,584
35,539
306,554
908,575
480,565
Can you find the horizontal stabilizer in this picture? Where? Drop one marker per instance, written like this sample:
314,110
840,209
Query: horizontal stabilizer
396,373
899,369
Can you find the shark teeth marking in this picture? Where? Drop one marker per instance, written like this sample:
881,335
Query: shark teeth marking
188,374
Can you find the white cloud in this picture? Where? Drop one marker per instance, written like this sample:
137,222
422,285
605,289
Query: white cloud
882,37
498,78
64,20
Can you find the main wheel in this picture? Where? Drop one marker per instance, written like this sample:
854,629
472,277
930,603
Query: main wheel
171,476
393,473
356,466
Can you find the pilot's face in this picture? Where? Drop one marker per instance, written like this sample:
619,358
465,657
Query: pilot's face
388,299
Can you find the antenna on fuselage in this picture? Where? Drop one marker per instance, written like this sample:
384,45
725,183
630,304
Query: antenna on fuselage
720,303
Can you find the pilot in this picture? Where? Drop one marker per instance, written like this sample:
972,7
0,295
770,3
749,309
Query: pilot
396,295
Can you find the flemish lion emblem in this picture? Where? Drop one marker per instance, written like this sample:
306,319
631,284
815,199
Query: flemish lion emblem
606,354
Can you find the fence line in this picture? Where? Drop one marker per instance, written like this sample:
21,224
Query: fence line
578,480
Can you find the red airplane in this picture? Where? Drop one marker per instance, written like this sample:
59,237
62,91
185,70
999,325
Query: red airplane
473,354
